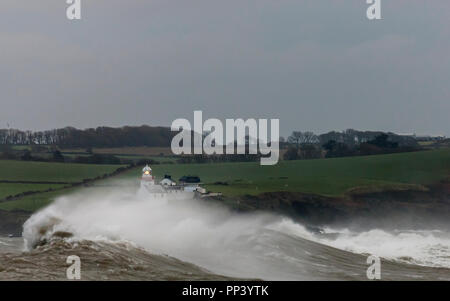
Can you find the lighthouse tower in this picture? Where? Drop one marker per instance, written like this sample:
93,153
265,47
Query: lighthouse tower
147,177
148,181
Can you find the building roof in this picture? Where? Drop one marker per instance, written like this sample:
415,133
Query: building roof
190,179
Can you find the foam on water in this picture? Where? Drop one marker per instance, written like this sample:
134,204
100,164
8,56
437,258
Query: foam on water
251,245
422,247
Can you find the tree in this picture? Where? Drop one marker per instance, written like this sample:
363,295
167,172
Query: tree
57,156
329,145
298,138
310,138
383,142
310,151
291,153
26,156
295,138
337,149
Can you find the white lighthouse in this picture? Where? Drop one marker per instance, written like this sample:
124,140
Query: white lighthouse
148,181
147,175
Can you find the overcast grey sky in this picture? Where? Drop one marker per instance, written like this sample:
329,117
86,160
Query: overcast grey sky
317,65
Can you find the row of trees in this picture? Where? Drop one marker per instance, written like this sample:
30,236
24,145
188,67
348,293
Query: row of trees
349,137
162,136
57,156
98,137
306,145
299,145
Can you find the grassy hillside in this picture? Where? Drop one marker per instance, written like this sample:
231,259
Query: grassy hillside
326,176
8,189
36,201
45,174
51,172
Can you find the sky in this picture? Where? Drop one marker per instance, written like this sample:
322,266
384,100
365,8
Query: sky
315,65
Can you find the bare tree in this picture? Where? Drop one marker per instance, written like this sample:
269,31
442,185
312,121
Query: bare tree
298,138
310,138
295,138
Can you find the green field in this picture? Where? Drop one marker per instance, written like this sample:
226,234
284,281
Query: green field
42,172
324,176
35,201
7,189
331,177
51,172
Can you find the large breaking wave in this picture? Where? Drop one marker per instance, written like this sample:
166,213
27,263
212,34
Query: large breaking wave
264,246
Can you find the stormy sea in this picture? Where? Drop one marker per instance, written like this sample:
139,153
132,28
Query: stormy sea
128,234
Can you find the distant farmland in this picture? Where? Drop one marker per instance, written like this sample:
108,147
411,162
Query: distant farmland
130,151
8,189
331,177
51,172
18,177
34,202
323,176
131,154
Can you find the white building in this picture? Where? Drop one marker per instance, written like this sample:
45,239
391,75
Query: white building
167,182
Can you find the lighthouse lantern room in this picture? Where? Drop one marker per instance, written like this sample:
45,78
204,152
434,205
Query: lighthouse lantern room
147,174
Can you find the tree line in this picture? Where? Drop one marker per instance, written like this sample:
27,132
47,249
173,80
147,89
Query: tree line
307,145
299,145
92,137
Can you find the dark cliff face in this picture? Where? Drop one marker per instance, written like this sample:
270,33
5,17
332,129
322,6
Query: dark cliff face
406,209
11,222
